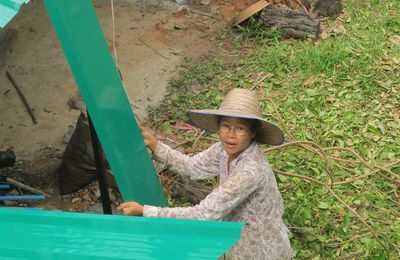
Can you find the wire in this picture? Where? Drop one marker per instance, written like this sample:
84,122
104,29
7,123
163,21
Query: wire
116,58
113,35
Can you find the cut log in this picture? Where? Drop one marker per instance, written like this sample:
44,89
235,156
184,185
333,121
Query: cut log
331,8
291,23
26,187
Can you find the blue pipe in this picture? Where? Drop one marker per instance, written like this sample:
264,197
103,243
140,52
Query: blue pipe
30,197
1,206
4,186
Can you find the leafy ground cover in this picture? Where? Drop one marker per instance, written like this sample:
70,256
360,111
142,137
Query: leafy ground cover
338,102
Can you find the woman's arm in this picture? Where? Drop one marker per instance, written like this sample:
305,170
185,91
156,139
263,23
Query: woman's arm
218,203
201,166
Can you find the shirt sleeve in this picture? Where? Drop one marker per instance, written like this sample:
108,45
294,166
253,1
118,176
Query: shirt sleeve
201,166
219,203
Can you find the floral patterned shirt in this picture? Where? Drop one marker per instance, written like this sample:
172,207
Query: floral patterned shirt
247,192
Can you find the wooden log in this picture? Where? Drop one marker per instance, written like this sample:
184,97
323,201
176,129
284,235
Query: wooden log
291,23
331,8
26,187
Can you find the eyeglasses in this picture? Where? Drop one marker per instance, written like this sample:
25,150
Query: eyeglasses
239,131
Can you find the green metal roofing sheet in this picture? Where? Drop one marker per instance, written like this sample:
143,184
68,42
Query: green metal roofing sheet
34,234
8,9
87,52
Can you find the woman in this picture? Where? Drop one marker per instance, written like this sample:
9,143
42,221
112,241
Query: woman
247,192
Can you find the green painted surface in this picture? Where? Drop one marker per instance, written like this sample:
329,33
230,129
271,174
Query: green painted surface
29,234
8,9
84,45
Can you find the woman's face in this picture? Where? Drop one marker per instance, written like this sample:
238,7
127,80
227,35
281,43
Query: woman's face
235,134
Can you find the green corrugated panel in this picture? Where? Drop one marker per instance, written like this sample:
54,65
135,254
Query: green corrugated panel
33,234
98,80
8,9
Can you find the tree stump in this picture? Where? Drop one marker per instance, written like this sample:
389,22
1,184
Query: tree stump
291,23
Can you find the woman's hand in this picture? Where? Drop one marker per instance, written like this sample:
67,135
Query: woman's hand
149,139
131,208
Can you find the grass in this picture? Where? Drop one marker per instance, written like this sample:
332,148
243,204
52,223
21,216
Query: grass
342,91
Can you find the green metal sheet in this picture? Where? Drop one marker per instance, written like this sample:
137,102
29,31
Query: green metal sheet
84,45
8,9
26,234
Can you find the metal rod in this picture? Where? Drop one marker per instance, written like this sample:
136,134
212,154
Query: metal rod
21,95
28,197
101,175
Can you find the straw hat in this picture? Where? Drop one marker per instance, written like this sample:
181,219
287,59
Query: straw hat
241,103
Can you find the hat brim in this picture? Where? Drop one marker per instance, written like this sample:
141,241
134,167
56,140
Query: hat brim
207,119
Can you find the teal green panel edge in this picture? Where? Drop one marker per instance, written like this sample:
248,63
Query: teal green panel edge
30,234
84,45
8,9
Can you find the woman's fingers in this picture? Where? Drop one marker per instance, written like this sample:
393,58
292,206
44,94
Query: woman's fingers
149,139
126,208
131,208
123,205
124,211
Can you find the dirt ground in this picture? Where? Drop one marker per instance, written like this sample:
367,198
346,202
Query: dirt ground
152,39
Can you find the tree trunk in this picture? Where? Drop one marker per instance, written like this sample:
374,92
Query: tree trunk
291,23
